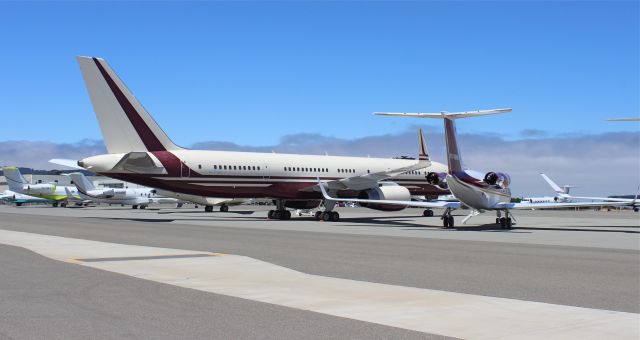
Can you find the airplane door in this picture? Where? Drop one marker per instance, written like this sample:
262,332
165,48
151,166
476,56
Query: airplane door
265,172
184,170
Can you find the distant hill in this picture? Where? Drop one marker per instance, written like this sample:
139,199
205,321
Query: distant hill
30,171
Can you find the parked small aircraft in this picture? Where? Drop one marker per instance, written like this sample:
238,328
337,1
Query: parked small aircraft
19,199
135,197
51,191
564,195
471,188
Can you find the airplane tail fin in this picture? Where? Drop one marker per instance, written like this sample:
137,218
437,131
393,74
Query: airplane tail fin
15,180
454,158
126,126
424,152
82,183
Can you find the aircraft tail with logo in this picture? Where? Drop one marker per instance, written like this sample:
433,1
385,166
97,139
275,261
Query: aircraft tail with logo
126,125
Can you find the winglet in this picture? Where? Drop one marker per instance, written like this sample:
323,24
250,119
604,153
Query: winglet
424,153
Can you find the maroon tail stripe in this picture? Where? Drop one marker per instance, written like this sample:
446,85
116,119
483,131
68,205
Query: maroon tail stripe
453,153
151,142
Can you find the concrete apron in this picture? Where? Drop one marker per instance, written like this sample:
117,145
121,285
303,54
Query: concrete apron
425,310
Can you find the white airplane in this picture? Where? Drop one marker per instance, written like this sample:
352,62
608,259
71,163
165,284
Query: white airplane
140,152
135,197
207,202
50,191
471,188
19,199
564,194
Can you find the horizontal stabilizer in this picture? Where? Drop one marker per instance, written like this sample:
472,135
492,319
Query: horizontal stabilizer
444,114
69,163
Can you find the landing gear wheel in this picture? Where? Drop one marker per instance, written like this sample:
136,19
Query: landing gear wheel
335,217
286,215
427,213
270,214
208,208
326,216
451,222
224,208
63,205
318,215
503,222
134,207
143,207
55,205
508,223
445,222
497,220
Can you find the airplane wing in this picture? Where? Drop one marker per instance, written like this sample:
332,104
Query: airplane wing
69,163
371,180
529,206
438,204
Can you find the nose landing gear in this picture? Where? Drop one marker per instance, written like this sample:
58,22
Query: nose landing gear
504,222
447,219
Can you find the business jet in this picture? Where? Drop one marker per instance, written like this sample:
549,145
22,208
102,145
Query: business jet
140,152
19,199
135,197
50,191
564,195
480,193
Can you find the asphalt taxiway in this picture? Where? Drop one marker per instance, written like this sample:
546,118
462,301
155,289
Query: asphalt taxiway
588,260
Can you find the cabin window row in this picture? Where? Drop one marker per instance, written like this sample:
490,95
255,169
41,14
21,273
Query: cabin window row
293,168
236,167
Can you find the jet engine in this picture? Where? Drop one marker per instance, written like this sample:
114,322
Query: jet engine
497,178
386,192
39,188
438,179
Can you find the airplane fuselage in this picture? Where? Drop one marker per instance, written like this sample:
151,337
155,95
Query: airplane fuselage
254,175
475,193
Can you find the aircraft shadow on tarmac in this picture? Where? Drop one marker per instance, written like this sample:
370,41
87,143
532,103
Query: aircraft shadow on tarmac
430,224
208,213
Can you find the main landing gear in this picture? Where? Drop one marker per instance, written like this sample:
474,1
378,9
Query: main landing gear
504,222
224,208
208,208
427,213
447,219
281,213
328,215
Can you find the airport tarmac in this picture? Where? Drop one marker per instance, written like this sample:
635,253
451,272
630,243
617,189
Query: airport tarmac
553,264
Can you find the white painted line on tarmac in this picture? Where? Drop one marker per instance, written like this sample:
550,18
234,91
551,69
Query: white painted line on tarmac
431,311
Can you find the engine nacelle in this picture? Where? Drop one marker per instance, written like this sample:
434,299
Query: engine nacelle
386,192
497,178
39,189
438,179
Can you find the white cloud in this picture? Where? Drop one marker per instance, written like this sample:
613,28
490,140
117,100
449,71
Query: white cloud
600,164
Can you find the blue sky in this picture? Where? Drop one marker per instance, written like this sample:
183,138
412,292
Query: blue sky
252,72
